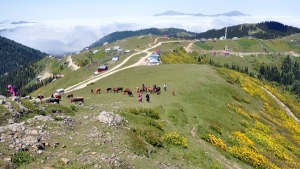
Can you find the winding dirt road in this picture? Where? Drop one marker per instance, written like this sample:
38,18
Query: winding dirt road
116,68
71,64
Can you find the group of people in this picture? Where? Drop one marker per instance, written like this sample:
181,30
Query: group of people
140,96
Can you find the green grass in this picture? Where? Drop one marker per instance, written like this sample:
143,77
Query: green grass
204,46
199,104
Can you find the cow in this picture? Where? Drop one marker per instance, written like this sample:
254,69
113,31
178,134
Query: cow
108,89
77,99
97,91
70,95
52,100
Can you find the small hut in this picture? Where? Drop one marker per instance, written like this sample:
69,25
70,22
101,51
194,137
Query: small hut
102,68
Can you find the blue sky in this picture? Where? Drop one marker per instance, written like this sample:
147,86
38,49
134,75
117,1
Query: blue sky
39,10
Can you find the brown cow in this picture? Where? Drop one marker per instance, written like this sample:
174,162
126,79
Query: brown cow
77,99
97,91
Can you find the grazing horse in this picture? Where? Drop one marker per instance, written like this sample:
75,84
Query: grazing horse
77,99
150,89
97,91
52,100
40,96
108,89
115,90
70,95
126,91
130,93
120,89
143,90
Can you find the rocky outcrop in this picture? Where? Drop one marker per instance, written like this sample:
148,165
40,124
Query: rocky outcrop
110,118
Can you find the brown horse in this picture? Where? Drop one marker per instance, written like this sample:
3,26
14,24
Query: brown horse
58,96
126,91
115,89
97,91
143,90
150,89
70,95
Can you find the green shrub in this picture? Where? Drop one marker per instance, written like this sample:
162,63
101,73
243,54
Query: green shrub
156,124
73,107
245,100
150,136
137,145
145,112
22,158
133,111
58,118
237,98
29,105
216,129
244,123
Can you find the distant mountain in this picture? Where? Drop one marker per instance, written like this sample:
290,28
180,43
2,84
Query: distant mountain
174,13
263,30
20,22
172,32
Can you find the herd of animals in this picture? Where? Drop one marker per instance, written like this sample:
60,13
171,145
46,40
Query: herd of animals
55,98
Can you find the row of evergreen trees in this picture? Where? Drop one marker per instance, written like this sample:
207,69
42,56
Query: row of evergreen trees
14,55
270,30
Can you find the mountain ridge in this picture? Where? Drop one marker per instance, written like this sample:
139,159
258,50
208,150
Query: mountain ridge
175,13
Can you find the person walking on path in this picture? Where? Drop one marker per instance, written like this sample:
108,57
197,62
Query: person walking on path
165,87
148,98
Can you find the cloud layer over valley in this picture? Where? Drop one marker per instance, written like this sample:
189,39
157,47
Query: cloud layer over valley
59,37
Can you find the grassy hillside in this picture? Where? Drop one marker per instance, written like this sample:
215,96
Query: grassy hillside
218,118
224,124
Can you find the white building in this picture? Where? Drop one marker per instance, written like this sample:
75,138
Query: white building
107,50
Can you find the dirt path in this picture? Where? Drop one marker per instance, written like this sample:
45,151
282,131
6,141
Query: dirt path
116,68
187,48
71,64
286,109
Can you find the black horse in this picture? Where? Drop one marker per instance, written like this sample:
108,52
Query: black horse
52,100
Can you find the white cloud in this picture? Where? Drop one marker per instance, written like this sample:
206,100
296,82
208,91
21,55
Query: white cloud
58,37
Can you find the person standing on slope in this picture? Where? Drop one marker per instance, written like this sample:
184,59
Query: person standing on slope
165,87
148,98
